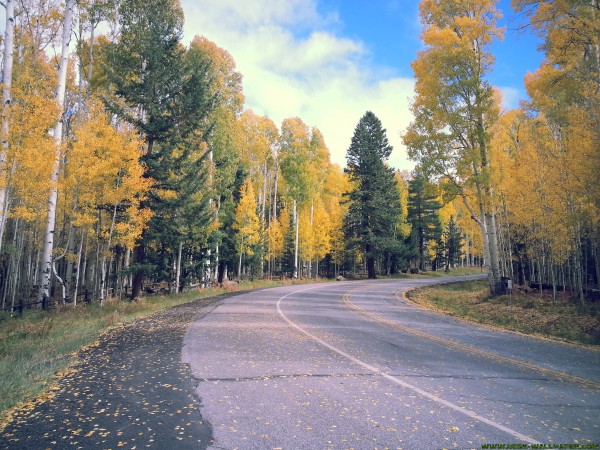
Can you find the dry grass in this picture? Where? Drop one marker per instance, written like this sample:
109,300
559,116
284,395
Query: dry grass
528,313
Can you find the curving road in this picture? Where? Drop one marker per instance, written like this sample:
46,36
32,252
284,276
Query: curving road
352,365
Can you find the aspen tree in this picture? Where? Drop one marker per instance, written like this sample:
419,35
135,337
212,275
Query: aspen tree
47,256
225,137
295,154
455,106
246,224
7,67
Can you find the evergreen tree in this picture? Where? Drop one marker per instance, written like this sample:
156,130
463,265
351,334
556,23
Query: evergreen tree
453,240
225,235
163,92
370,223
423,216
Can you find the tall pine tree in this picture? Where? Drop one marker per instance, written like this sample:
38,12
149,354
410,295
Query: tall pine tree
374,203
423,216
162,91
453,241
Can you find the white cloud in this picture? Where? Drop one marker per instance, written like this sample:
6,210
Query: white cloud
510,97
293,66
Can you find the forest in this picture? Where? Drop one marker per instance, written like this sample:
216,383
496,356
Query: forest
129,163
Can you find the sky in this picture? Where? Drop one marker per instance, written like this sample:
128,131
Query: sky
330,61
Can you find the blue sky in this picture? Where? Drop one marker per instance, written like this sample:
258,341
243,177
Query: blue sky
330,61
390,29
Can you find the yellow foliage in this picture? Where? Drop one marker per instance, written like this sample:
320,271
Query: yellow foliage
276,239
103,171
546,178
33,113
246,221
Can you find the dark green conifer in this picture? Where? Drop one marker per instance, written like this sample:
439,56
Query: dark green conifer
423,208
374,209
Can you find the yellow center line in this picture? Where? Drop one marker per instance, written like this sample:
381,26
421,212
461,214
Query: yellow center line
398,381
562,376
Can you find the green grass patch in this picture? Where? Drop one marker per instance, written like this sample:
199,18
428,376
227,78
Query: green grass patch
451,273
34,347
528,312
432,274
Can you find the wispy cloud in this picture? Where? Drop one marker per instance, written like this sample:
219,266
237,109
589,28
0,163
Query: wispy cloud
510,97
295,65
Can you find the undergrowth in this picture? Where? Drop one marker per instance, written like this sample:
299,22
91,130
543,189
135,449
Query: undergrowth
526,312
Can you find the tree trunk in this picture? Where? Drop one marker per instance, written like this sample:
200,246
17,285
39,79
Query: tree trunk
274,200
7,67
371,267
44,292
240,261
494,263
490,241
553,283
103,290
596,254
178,268
297,225
127,278
17,276
139,252
77,268
207,276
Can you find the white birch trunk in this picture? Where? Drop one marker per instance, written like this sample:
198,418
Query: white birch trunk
216,274
103,289
207,270
494,259
9,38
240,263
78,267
178,269
44,292
312,214
296,224
274,200
467,248
127,278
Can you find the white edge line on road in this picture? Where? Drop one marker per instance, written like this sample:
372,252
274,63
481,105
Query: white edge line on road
399,382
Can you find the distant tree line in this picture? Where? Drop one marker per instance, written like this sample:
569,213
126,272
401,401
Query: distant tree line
131,165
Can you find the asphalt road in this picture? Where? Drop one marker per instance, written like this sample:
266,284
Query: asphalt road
129,391
352,365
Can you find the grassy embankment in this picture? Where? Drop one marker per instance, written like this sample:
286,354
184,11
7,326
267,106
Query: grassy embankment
36,346
529,313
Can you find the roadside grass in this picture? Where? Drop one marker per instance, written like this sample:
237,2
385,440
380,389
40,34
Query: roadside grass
432,274
40,344
528,312
451,273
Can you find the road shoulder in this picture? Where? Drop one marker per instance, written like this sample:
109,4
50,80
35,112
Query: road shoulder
129,390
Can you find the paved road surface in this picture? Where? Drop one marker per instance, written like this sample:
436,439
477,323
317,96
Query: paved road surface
339,365
131,391
351,365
